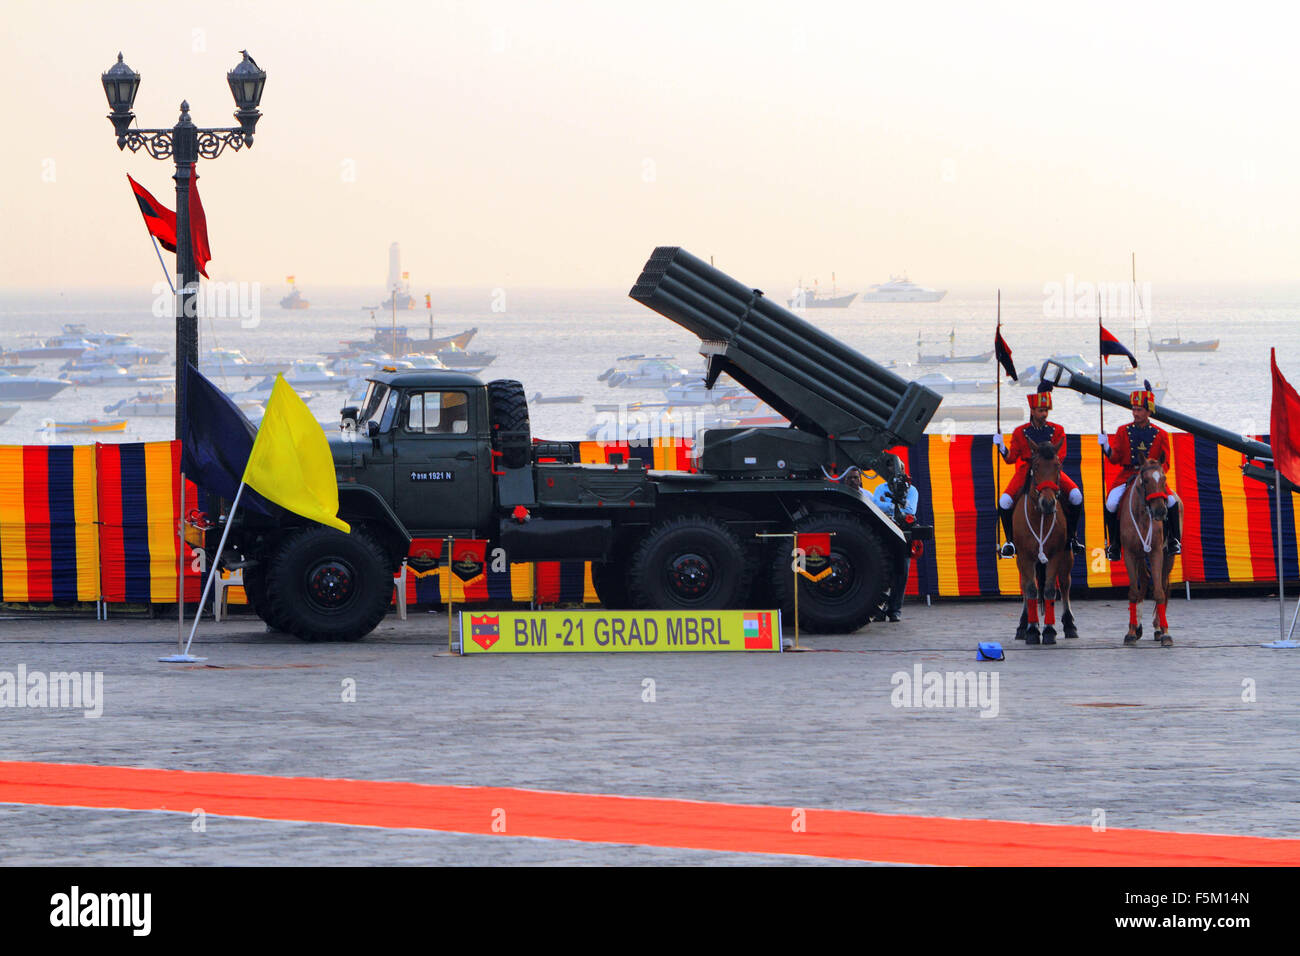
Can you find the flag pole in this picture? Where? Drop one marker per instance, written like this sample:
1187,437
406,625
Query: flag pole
161,263
184,656
997,531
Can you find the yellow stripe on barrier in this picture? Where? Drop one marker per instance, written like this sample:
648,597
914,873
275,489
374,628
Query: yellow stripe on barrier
85,514
161,532
1008,573
1094,513
13,524
1236,523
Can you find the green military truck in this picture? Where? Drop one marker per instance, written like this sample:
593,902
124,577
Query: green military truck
439,453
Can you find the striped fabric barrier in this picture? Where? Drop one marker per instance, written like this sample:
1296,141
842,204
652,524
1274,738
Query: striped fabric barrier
1229,521
49,551
78,523
138,488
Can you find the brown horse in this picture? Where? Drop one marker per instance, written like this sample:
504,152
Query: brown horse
1043,555
1142,513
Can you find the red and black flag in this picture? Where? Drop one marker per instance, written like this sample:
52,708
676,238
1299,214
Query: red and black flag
1003,353
1111,346
198,226
1284,425
158,219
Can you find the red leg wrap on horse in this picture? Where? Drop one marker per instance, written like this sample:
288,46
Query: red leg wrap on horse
1160,616
1032,607
1132,616
1049,615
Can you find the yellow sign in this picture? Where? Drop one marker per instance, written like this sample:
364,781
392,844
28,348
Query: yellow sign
559,632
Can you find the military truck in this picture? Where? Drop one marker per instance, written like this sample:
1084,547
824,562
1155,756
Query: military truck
431,454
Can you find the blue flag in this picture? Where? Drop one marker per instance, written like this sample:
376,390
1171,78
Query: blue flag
216,439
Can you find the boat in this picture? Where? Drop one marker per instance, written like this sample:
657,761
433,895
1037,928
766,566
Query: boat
694,393
540,399
456,357
29,388
938,382
951,359
977,413
97,374
8,411
123,353
162,404
232,363
805,299
96,338
64,346
396,341
651,371
14,368
93,426
1177,344
294,299
902,289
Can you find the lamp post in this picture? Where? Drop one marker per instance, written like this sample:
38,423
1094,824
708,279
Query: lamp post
184,143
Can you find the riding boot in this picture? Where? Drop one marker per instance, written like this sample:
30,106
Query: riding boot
1008,549
1072,514
1112,535
1173,530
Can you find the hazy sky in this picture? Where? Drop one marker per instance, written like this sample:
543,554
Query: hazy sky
558,143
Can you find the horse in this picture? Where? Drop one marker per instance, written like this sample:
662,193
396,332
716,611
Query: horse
1142,540
1043,554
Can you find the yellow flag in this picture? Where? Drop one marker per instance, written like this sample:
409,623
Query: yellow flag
291,463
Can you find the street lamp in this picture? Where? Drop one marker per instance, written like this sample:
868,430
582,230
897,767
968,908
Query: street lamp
184,143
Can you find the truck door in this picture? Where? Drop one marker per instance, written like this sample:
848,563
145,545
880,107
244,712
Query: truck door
436,462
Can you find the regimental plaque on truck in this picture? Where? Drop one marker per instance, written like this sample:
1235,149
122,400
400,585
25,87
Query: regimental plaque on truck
560,632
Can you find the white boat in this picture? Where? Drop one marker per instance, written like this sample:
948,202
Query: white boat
694,393
651,371
162,404
938,382
976,413
29,388
232,363
124,353
1177,344
902,289
59,347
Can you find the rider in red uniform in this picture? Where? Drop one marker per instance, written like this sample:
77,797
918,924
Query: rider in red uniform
1023,440
1131,446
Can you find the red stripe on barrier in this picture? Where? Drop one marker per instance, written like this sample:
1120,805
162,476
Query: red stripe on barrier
1260,527
1188,492
965,514
643,821
36,522
108,472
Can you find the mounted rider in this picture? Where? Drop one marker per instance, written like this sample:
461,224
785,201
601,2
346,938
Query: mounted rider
1130,447
1023,442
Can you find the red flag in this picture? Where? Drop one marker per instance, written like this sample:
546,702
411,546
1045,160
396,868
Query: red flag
1112,346
1284,425
1003,353
814,544
198,226
468,558
158,219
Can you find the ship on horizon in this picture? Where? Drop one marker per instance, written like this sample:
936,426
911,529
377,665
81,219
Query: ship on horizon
294,299
813,299
902,289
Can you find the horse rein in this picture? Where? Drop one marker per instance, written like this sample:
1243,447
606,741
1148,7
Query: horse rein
1039,535
1141,481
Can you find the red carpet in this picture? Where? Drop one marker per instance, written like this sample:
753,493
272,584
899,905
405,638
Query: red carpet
644,821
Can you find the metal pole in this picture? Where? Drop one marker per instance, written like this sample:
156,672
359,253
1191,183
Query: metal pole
997,490
216,567
1281,575
185,152
447,578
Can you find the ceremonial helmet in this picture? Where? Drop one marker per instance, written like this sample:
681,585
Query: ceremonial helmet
1144,397
1043,397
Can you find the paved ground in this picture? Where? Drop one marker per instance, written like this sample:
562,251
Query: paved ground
1167,739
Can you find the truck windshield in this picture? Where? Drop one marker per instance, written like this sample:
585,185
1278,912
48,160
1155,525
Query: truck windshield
372,405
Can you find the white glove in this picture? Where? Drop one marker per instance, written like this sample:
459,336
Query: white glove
997,440
1104,441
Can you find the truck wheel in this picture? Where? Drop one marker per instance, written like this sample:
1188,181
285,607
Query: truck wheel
324,585
689,563
844,600
509,408
610,579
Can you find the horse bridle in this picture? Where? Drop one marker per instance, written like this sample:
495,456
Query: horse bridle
1040,536
1141,482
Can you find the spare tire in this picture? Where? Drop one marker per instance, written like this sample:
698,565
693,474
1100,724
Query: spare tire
511,432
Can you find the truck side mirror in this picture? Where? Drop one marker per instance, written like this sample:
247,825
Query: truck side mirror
372,429
351,412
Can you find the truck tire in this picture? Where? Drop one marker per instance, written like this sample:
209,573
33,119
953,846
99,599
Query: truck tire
255,590
844,601
610,580
324,585
689,563
509,410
